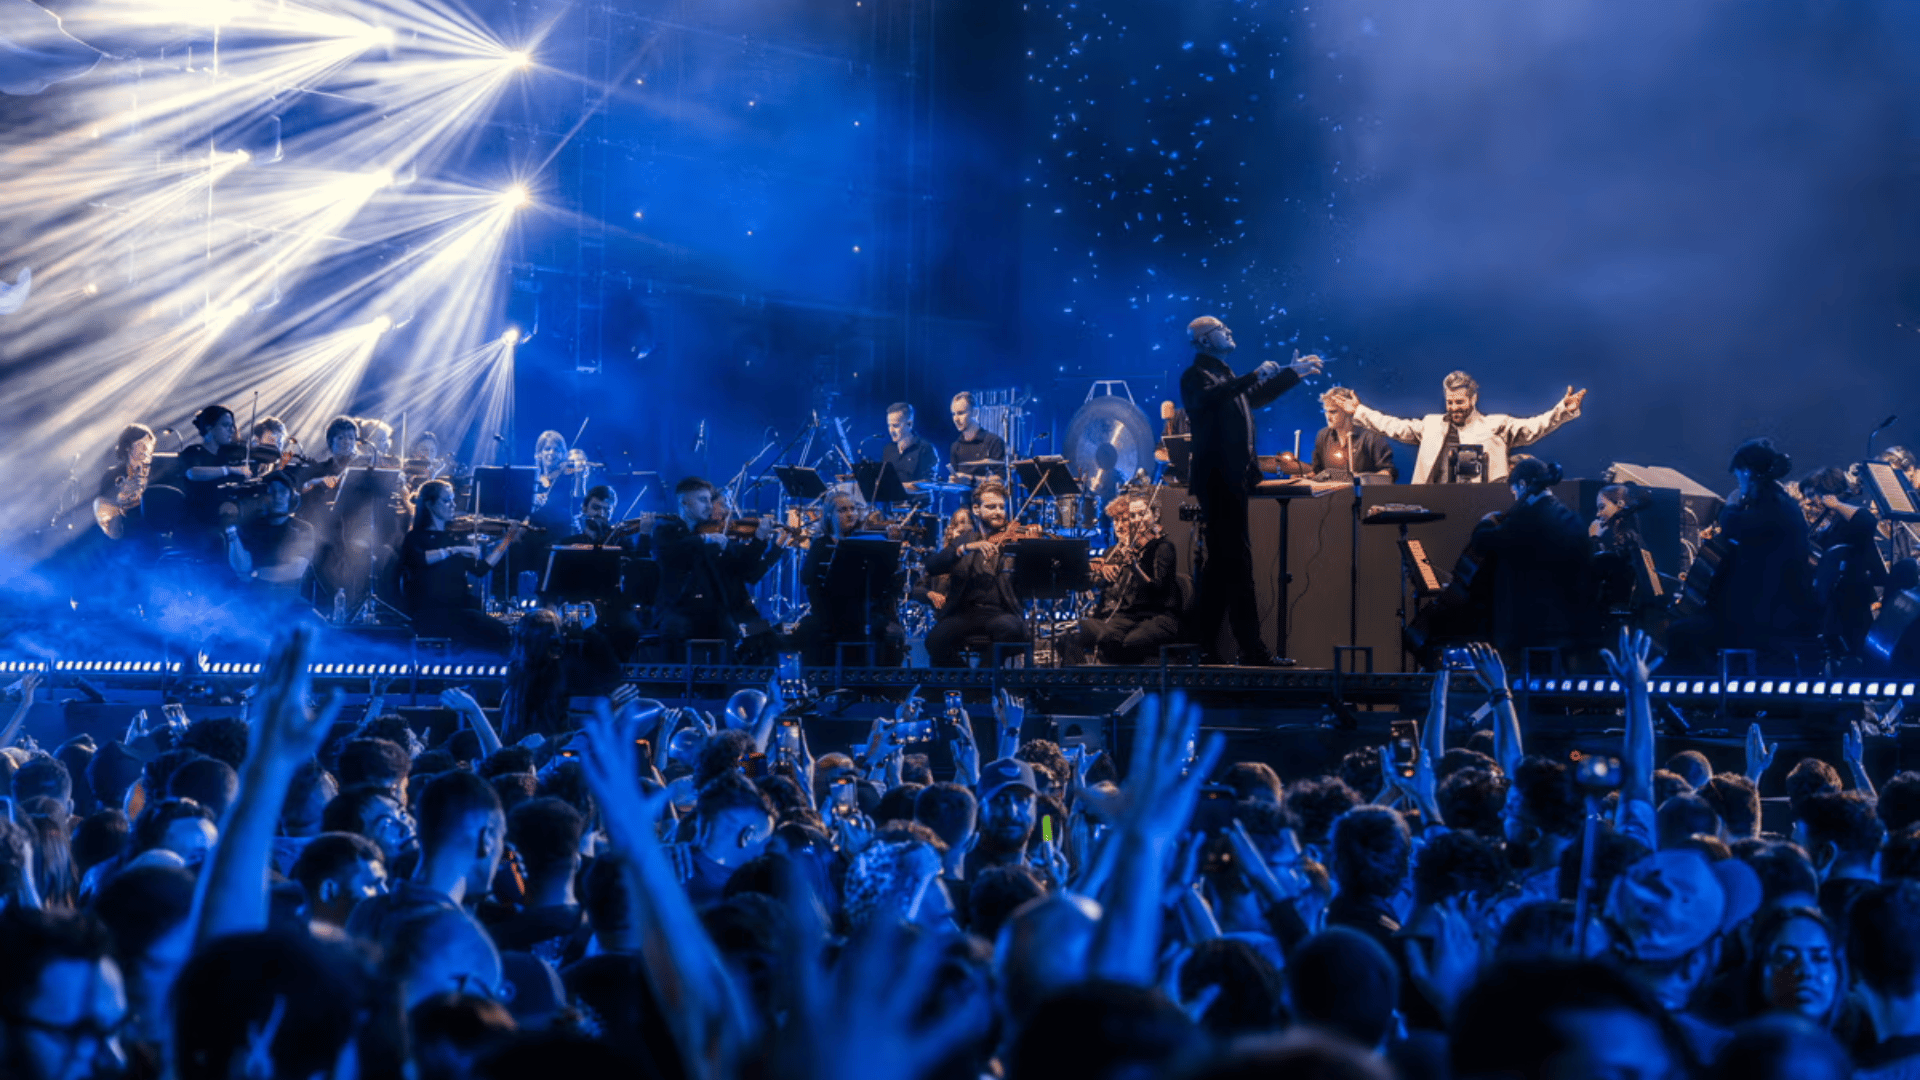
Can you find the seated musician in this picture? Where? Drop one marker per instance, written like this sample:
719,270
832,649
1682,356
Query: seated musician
343,443
595,527
1758,584
217,459
1846,535
705,578
846,616
272,551
438,569
1139,608
130,465
1537,554
979,604
376,441
1343,451
268,441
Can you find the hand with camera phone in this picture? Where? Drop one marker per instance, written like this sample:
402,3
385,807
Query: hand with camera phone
1413,780
966,752
29,686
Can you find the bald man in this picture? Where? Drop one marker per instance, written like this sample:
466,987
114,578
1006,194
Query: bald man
1220,408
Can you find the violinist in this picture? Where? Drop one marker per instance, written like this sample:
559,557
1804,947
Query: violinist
595,526
376,441
218,458
1139,608
706,572
438,568
268,443
272,552
979,605
343,443
552,486
1845,533
848,616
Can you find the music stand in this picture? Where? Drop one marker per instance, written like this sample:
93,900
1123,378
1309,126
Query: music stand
504,491
879,482
1050,476
639,580
581,573
1892,496
1415,573
1179,450
1049,569
866,565
800,483
368,489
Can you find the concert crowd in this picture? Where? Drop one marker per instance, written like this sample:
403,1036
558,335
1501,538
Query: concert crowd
648,891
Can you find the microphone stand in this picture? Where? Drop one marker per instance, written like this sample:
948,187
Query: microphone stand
1875,434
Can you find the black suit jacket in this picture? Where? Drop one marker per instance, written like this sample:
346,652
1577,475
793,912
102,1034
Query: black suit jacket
697,575
973,582
1542,584
1220,408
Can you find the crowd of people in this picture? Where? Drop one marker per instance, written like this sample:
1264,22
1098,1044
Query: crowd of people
657,891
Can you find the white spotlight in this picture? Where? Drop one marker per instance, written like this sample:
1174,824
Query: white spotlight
518,60
516,196
381,325
511,337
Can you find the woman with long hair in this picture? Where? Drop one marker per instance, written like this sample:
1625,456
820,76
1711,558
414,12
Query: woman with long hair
1796,966
535,701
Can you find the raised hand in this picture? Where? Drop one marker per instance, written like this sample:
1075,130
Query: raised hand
1488,667
284,733
1633,663
1455,960
1304,366
1571,403
1268,370
1853,745
1759,753
966,752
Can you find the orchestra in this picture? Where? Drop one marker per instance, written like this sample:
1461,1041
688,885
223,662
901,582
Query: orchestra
362,535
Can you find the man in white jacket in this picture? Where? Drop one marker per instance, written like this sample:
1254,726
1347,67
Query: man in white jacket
1463,424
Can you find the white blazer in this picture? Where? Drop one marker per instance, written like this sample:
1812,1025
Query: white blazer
1497,433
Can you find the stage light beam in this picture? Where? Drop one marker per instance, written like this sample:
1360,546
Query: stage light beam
517,60
516,196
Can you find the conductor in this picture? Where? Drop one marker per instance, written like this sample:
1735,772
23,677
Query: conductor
1219,407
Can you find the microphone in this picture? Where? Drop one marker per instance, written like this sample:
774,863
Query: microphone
1887,423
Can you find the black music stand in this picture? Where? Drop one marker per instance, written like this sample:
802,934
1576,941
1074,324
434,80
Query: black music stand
866,565
362,489
1409,550
800,483
579,573
879,483
1179,450
504,491
1049,569
1285,491
1051,476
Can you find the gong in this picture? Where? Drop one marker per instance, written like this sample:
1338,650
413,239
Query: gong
1108,441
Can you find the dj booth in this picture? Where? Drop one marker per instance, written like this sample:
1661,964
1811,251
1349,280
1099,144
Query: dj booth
1313,604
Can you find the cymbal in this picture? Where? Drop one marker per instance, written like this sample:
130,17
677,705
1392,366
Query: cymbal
945,487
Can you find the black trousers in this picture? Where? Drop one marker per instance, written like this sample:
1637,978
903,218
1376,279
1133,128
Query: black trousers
953,632
818,638
1121,639
1226,578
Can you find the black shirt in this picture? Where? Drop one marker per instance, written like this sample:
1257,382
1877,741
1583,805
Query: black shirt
203,496
915,464
271,543
1372,454
984,446
441,585
973,582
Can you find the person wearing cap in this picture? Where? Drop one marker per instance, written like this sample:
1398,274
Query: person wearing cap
1007,796
1668,912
